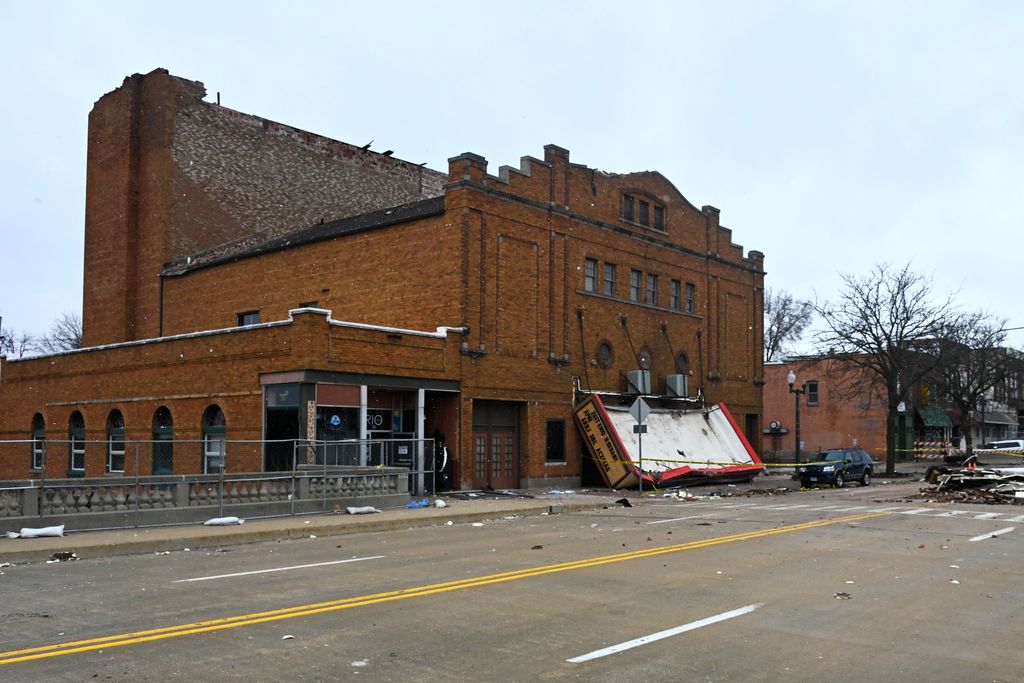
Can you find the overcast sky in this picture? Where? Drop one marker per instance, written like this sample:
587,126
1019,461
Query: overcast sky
832,135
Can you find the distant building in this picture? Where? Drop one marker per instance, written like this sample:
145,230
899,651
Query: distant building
251,283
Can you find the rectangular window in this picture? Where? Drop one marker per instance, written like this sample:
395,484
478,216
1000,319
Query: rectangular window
652,289
674,295
38,451
555,443
634,285
627,207
248,318
590,275
77,452
644,215
213,453
308,304
691,297
659,217
115,451
812,393
609,279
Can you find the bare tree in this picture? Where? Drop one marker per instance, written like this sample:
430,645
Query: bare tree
886,324
15,344
65,335
785,320
974,363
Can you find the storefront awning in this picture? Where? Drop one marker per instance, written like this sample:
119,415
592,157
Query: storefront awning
934,416
996,418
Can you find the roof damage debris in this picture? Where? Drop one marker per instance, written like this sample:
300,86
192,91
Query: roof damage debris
976,485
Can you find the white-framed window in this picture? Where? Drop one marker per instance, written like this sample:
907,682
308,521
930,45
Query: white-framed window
248,318
812,393
609,279
691,297
76,445
652,289
38,442
635,278
115,442
214,440
590,275
674,294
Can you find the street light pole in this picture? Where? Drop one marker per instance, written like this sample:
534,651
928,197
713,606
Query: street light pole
797,392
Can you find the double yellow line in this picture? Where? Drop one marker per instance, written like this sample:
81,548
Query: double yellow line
136,637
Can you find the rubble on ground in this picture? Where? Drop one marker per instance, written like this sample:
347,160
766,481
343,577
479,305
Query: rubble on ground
975,485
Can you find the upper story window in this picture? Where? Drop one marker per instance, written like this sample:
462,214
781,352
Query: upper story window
812,393
674,294
590,275
635,277
652,289
248,318
609,279
691,297
643,212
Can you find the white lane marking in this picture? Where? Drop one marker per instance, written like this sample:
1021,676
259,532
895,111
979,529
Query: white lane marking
825,507
1018,518
954,513
1000,532
737,505
851,509
888,509
643,640
679,519
789,507
989,515
278,569
916,511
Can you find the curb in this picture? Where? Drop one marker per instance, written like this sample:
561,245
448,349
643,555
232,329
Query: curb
102,544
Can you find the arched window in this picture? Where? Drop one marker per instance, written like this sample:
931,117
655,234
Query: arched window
38,442
214,430
115,441
76,445
163,441
682,364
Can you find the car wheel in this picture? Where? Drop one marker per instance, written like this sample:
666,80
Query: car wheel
866,479
805,484
840,480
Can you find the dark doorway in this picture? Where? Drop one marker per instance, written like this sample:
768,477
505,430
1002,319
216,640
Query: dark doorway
282,431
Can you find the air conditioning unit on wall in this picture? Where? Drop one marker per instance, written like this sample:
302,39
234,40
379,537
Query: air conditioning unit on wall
677,386
638,381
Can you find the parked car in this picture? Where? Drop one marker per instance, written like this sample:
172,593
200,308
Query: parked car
836,467
1005,445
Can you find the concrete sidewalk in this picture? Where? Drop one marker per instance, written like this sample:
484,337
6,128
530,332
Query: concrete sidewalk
93,544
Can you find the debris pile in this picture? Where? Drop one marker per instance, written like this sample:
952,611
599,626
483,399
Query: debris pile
975,485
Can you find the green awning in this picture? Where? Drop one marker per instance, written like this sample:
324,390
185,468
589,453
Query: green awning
934,416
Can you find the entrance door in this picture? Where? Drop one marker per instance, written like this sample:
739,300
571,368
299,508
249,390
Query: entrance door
495,445
282,432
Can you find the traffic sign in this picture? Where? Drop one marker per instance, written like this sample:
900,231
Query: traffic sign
640,410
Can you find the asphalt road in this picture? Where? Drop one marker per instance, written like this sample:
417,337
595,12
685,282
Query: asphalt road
848,585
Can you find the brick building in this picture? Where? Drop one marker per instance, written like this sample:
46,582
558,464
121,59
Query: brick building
250,280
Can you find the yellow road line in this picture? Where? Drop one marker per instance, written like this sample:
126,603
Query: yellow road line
136,637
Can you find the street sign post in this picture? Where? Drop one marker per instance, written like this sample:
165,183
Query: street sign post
640,410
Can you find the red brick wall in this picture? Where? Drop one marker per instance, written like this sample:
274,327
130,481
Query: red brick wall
837,421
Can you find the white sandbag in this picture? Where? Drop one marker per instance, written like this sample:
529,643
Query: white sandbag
223,521
364,510
39,533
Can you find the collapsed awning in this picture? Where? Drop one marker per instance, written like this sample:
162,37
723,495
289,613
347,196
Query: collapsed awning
678,447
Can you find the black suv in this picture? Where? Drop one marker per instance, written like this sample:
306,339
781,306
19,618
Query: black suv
836,467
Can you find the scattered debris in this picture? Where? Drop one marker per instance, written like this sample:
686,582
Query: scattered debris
440,503
996,486
954,581
843,596
556,492
537,547
361,662
624,502
223,521
361,510
477,524
421,503
288,637
37,533
62,556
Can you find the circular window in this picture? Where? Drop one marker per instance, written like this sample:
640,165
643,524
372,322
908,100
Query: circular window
605,354
645,359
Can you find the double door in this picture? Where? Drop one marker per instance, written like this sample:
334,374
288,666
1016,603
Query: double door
495,445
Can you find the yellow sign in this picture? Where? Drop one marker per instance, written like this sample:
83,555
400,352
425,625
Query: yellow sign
604,445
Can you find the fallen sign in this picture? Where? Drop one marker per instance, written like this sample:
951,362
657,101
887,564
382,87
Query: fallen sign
997,485
680,447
